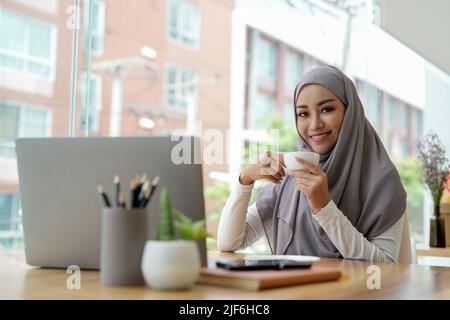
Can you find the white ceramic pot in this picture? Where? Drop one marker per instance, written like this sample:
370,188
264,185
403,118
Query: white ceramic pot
170,265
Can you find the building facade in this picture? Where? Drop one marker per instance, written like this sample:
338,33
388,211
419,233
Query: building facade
155,67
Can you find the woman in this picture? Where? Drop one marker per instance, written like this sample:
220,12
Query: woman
351,205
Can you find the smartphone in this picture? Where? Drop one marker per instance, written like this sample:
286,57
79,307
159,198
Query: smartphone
242,264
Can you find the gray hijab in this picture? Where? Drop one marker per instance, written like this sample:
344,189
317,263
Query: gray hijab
362,181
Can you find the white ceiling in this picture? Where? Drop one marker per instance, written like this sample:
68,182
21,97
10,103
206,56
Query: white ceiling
422,25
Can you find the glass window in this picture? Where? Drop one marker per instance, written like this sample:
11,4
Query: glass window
373,106
180,86
289,113
98,25
9,115
9,215
33,122
390,112
268,57
5,212
263,107
91,112
404,118
26,44
21,121
294,69
416,123
39,40
184,23
10,222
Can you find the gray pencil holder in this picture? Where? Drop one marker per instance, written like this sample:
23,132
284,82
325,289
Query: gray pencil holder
124,234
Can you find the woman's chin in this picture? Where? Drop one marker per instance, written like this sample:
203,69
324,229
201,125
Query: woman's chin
322,149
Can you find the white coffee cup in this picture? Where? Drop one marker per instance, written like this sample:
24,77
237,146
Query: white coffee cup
291,162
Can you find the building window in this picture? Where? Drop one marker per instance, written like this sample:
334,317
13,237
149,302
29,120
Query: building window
184,23
268,59
416,128
19,120
373,106
263,107
404,118
390,106
26,44
97,25
294,69
416,123
91,112
181,86
372,100
10,221
288,113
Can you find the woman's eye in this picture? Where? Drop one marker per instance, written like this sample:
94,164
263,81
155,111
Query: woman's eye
328,109
302,114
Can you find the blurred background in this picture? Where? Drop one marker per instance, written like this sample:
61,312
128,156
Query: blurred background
226,67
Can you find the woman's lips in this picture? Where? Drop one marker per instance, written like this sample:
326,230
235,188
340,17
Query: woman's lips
319,138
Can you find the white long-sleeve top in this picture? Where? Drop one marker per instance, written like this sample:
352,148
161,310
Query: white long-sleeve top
240,226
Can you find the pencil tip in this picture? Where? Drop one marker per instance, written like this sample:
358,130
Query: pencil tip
155,180
143,178
99,188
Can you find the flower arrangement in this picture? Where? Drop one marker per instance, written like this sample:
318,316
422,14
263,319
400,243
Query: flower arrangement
435,166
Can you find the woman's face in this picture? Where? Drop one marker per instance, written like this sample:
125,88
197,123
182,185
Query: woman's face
319,115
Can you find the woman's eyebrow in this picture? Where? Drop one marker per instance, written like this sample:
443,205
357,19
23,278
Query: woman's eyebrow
319,104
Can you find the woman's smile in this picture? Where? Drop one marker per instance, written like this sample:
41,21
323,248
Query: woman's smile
319,138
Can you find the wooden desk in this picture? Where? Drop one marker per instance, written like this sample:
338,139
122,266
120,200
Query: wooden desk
398,281
433,252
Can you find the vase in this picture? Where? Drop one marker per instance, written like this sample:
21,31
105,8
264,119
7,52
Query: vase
437,229
170,265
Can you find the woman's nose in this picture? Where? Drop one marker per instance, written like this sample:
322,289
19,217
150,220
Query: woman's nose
316,122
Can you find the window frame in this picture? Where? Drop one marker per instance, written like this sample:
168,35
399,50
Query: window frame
99,95
288,72
15,207
263,41
179,39
20,129
96,34
177,76
24,56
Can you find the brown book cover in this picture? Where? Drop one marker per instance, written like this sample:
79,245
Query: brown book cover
265,279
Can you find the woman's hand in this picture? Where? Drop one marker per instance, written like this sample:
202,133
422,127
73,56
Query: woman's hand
313,182
268,166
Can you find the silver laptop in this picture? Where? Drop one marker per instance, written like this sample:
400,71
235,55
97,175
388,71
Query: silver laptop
60,205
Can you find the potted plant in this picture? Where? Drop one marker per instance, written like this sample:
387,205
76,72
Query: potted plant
436,170
169,263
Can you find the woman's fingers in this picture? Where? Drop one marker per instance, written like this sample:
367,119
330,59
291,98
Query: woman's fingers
273,179
269,166
306,180
300,174
278,157
269,171
277,167
302,187
310,166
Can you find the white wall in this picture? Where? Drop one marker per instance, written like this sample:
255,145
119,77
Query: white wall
423,25
49,6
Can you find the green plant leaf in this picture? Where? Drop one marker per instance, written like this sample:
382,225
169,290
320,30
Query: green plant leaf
166,228
182,217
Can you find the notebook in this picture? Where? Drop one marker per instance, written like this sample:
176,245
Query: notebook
266,279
